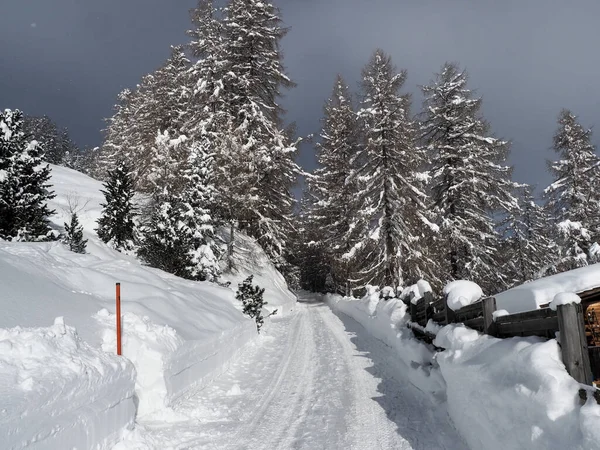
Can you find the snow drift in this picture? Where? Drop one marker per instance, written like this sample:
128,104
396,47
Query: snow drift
176,333
500,393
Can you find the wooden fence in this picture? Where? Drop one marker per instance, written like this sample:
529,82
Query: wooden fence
582,363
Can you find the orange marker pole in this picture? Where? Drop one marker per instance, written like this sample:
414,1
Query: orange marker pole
118,318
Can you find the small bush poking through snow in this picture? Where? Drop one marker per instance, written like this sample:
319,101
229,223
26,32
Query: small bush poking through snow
252,298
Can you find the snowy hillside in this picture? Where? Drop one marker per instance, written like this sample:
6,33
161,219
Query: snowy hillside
175,332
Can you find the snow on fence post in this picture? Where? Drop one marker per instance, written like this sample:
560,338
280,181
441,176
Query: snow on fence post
118,314
488,305
573,342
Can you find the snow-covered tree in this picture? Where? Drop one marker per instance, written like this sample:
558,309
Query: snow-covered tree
198,202
527,248
157,106
163,243
573,199
390,194
24,187
116,225
56,142
252,299
255,76
469,181
74,235
334,212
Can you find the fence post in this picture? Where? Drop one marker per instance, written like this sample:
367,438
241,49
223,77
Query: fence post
450,314
118,318
413,307
573,342
489,306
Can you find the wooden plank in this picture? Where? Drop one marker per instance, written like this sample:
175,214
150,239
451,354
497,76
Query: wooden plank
594,353
470,311
440,317
489,306
534,325
450,314
476,323
528,315
573,342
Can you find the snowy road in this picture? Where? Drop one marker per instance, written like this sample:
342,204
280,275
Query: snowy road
312,381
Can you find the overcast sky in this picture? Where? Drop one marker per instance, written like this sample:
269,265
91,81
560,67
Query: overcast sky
527,58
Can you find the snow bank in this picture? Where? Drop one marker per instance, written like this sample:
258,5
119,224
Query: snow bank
531,295
59,392
386,321
462,293
177,333
511,393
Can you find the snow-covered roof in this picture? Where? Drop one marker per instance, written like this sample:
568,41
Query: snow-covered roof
531,295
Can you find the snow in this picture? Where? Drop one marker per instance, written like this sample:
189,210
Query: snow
56,389
539,292
311,381
564,298
499,393
418,290
462,293
177,334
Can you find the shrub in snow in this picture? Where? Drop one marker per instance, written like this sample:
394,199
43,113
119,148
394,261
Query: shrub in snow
252,298
462,293
23,184
115,225
74,235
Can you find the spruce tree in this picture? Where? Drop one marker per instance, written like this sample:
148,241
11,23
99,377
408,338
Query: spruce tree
163,244
252,299
391,194
573,199
74,235
24,187
198,203
469,181
116,225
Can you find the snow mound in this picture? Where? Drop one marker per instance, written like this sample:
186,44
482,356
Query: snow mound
500,393
564,298
462,293
531,295
418,290
55,389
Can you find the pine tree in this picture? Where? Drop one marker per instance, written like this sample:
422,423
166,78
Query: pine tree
390,189
24,188
573,199
528,249
74,235
116,225
199,225
334,212
252,299
468,179
163,245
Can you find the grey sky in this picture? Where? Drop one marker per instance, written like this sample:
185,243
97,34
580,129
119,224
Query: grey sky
527,58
